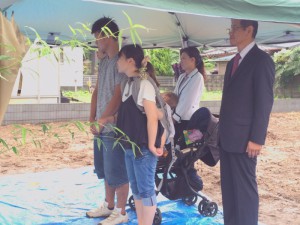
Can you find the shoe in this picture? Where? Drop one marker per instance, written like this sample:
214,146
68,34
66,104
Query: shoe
115,218
99,212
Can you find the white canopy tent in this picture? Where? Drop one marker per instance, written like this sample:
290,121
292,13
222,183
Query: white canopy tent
171,23
40,78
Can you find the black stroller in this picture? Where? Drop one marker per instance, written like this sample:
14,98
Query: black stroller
172,178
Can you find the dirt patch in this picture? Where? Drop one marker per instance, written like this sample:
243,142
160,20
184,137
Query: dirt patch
67,145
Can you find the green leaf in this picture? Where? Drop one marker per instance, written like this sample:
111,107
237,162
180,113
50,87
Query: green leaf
45,128
35,32
115,144
24,133
15,150
107,31
139,26
5,57
119,130
99,143
35,144
72,134
133,149
122,147
85,26
137,36
57,136
72,30
120,39
79,125
132,36
4,143
128,18
2,76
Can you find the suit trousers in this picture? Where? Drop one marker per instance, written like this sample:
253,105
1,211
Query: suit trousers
239,188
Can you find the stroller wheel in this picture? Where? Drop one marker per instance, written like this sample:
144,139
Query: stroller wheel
131,203
190,200
207,208
157,217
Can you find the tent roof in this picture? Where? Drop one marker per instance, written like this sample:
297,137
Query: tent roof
197,22
262,10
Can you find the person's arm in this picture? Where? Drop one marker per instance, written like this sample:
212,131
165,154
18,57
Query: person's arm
152,124
187,98
263,102
114,103
111,109
107,119
93,110
160,114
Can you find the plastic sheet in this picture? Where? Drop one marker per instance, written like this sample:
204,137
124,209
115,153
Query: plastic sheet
63,197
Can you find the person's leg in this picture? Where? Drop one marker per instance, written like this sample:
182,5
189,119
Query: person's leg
144,168
148,214
116,180
98,158
246,194
139,210
104,209
115,172
122,195
129,160
110,195
227,188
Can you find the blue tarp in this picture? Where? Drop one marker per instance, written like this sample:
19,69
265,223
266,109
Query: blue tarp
63,197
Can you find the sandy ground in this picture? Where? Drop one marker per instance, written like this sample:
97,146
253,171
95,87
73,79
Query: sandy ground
65,146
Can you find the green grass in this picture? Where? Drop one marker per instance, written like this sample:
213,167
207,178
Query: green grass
85,96
81,95
211,96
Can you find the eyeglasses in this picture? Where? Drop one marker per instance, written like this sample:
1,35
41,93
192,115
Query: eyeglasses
233,29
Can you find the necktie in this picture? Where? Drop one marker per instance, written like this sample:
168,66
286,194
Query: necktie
235,63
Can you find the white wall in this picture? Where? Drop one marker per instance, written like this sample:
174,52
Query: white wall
71,68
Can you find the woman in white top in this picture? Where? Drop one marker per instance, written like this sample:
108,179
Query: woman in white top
189,88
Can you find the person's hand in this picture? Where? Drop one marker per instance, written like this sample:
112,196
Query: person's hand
93,128
156,151
253,149
101,123
159,151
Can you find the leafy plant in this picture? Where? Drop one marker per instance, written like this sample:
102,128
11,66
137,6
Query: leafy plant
162,60
287,64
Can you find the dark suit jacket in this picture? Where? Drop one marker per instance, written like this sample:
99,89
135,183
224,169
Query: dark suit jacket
247,101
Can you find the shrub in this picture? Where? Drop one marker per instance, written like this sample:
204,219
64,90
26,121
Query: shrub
287,65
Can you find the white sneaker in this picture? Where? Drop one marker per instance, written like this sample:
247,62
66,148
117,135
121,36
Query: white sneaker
99,212
115,218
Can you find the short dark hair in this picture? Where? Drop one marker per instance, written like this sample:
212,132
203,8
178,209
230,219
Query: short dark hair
172,99
105,22
253,23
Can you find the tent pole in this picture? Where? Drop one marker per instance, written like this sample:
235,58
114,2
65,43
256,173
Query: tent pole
184,38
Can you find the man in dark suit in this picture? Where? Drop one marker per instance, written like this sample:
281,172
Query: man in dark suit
246,106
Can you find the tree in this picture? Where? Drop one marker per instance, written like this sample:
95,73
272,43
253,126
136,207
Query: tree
162,60
287,65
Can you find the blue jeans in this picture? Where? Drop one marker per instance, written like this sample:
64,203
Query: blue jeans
109,162
141,173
